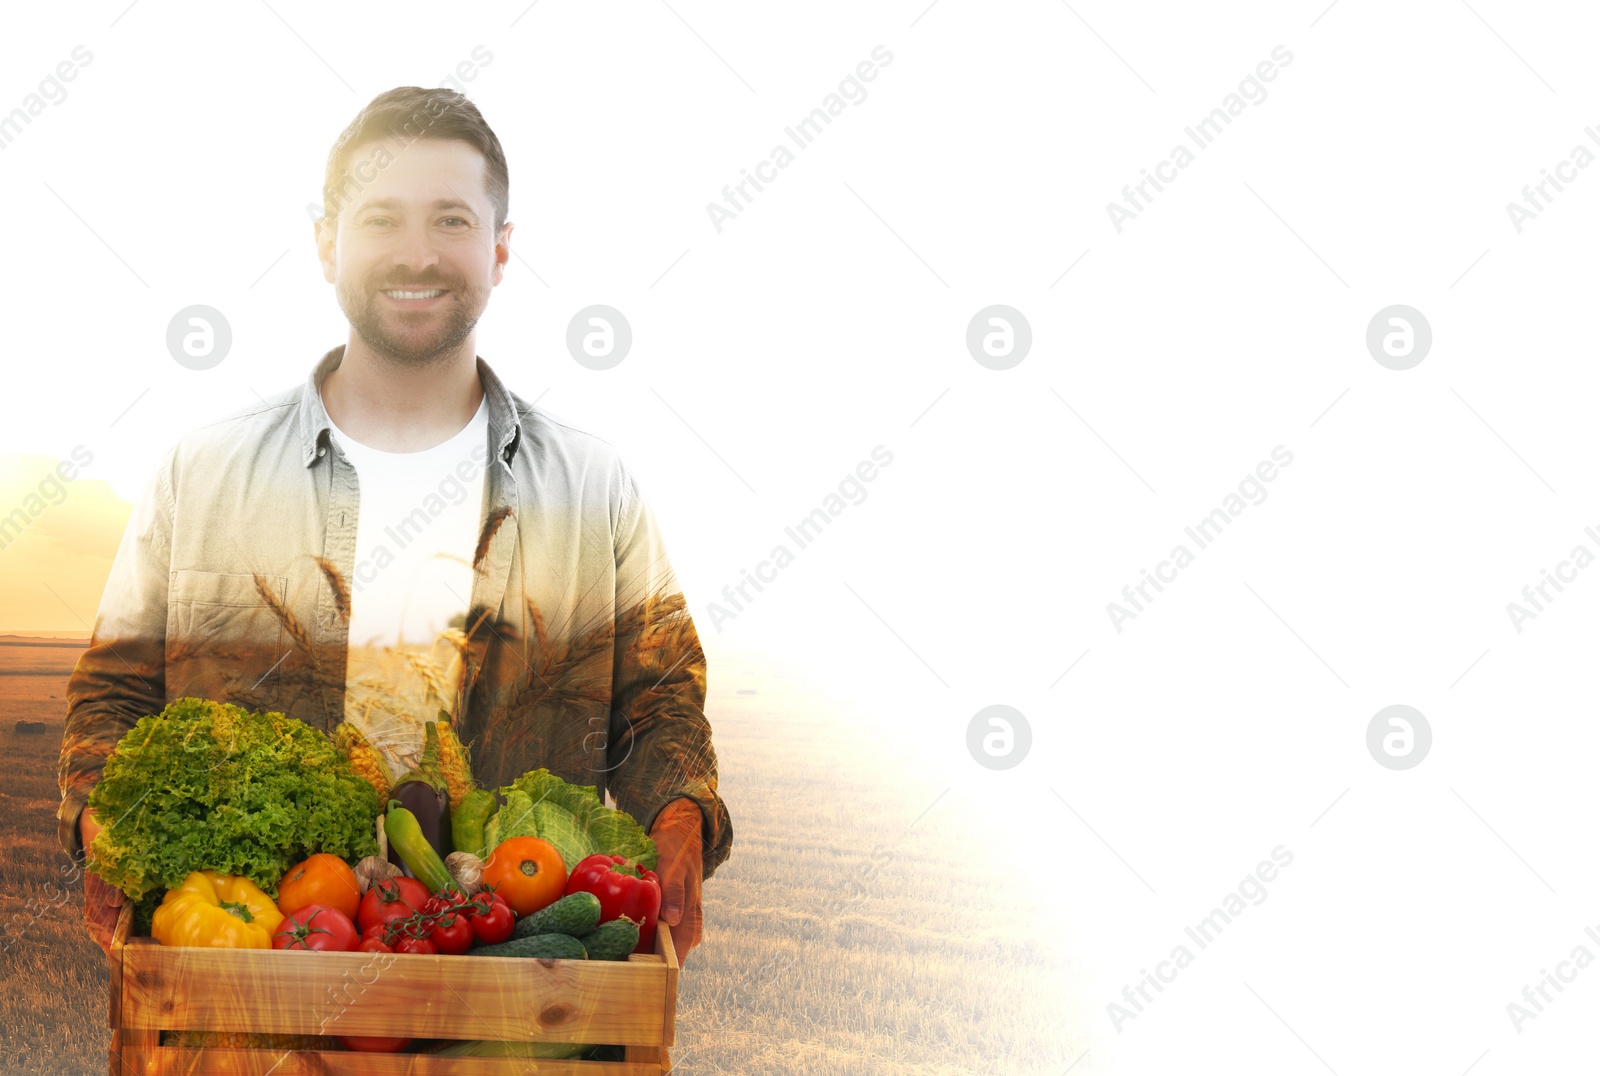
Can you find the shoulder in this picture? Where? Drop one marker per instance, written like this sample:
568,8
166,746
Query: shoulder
588,468
557,443
246,425
262,436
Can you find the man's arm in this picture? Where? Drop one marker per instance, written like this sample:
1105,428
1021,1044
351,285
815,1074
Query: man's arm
659,748
121,677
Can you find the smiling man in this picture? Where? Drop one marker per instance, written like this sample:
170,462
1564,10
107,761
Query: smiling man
403,534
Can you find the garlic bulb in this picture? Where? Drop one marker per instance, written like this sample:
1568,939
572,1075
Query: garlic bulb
467,870
374,869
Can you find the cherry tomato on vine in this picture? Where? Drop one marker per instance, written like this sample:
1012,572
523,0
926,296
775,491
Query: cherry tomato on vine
493,926
409,944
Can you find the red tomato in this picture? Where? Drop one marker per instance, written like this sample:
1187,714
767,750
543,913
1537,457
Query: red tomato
391,898
452,933
408,944
373,1043
319,928
373,945
493,926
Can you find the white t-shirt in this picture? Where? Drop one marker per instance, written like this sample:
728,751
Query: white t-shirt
417,528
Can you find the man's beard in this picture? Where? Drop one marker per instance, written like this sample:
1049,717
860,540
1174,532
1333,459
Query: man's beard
410,338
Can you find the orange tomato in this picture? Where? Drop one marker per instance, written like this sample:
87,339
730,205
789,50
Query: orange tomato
528,872
322,879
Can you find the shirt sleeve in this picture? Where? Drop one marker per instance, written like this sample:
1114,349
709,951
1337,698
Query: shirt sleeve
121,676
659,748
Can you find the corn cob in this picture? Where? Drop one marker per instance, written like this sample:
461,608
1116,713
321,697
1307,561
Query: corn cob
455,764
363,758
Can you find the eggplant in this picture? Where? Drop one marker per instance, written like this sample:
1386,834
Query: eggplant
424,792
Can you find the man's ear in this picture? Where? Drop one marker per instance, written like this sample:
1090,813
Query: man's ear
502,252
324,234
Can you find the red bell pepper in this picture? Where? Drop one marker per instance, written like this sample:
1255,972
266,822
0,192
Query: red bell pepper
624,888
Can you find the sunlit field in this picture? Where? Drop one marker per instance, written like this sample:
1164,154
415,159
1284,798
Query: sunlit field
854,930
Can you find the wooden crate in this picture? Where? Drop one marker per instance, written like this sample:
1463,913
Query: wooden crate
157,987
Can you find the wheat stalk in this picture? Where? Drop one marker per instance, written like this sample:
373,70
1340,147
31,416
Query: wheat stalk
341,592
290,622
431,675
491,527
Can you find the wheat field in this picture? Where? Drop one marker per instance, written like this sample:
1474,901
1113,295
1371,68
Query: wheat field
856,929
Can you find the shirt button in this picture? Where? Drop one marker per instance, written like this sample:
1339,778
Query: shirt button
321,452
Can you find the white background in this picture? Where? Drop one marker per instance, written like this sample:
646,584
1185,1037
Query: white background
768,360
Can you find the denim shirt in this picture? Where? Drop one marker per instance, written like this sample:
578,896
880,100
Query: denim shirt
231,583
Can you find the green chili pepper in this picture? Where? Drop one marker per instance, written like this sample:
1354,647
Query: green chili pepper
468,819
405,836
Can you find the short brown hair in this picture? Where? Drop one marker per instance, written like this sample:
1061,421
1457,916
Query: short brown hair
407,113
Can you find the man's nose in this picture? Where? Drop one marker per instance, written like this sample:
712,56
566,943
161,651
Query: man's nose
416,251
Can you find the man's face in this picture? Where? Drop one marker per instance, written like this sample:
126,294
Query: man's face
423,224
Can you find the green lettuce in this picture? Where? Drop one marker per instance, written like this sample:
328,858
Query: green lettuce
210,786
572,818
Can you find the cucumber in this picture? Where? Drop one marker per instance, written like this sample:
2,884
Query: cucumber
574,914
539,946
611,941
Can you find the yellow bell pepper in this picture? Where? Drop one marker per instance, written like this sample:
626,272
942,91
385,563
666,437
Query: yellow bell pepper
216,910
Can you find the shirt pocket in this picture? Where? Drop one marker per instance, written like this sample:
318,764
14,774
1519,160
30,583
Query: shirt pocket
227,616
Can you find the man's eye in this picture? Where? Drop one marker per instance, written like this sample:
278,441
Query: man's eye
375,220
456,218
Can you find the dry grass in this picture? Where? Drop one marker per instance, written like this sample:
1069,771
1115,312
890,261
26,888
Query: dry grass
814,962
53,1010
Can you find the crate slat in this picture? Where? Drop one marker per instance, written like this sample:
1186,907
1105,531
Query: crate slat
178,1061
669,954
461,997
119,935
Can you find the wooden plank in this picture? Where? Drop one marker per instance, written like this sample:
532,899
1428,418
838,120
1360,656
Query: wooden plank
137,1052
669,954
130,1050
463,997
119,937
645,1055
178,1061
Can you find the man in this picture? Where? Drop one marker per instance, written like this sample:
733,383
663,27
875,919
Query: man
402,534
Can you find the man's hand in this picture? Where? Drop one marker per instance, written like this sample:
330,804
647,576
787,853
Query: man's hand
102,903
678,864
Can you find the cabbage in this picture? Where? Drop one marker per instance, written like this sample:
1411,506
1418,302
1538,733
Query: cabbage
572,818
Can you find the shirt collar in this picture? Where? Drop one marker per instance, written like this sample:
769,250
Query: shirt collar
505,429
